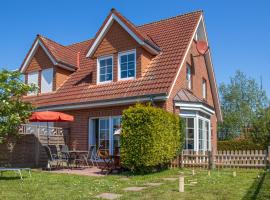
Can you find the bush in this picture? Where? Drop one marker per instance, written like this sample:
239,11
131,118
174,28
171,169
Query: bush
150,138
243,144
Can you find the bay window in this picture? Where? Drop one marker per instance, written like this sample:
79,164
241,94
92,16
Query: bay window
197,133
127,65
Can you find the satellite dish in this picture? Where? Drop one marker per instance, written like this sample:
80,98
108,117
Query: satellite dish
202,47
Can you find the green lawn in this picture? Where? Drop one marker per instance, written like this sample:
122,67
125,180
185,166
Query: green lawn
44,185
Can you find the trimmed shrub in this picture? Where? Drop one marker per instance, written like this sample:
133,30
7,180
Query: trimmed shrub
243,144
150,138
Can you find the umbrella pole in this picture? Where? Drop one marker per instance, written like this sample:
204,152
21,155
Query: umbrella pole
48,139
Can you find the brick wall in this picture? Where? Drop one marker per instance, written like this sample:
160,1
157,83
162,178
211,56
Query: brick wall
199,72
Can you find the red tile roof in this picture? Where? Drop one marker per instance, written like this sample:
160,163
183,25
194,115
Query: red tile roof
62,54
172,35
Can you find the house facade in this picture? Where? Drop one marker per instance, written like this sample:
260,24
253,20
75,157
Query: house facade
96,79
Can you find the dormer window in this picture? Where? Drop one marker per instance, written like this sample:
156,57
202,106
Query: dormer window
32,80
105,69
46,80
188,77
127,65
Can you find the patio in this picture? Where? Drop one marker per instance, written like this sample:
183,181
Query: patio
89,171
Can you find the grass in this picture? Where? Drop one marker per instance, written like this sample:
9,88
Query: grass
220,185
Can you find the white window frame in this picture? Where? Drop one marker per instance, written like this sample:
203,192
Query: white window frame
46,90
98,68
92,141
196,117
189,76
204,88
36,84
133,51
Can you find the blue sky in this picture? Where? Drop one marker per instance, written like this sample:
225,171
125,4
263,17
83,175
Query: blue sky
238,31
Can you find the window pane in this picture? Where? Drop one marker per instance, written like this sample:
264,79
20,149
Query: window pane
123,66
109,61
102,70
131,65
131,57
190,123
131,73
102,78
109,69
102,63
123,58
123,74
108,77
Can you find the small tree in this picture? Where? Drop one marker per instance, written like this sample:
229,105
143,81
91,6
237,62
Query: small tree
13,111
150,138
260,132
242,101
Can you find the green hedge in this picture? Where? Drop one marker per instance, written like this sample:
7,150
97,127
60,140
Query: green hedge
238,145
150,138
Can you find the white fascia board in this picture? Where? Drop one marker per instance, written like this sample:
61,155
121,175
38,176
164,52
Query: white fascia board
130,32
32,53
195,106
185,56
108,103
212,70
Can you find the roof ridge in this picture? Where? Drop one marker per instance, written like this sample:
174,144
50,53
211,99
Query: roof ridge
169,18
75,43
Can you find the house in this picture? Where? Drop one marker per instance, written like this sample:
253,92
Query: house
96,79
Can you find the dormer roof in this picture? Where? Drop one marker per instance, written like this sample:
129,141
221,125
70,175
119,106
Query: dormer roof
139,36
59,55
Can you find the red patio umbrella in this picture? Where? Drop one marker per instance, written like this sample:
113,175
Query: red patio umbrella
50,116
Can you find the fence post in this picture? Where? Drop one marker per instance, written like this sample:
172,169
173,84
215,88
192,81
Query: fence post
37,146
211,159
182,159
268,155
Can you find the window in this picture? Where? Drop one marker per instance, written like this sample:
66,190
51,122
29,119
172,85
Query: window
47,80
188,77
105,69
127,65
33,79
104,134
203,135
116,121
204,90
189,139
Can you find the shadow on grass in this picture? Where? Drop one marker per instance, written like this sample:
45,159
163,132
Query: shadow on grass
9,178
254,190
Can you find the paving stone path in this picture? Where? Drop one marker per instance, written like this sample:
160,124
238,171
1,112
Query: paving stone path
153,184
169,179
109,196
134,189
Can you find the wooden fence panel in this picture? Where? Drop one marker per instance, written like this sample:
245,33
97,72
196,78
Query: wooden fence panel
229,159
